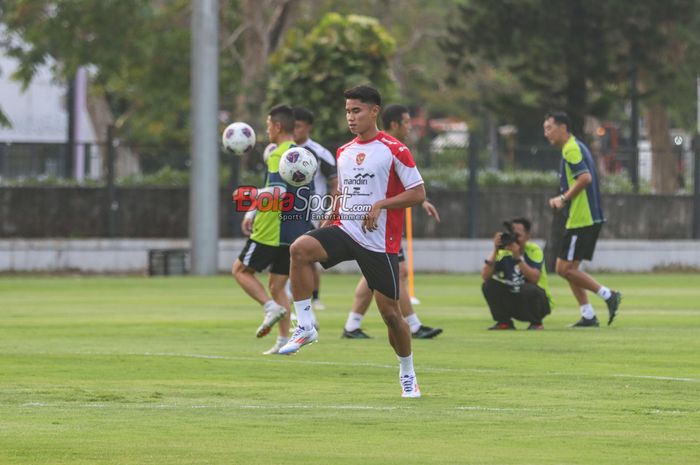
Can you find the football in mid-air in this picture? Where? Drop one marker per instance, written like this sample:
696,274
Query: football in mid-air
298,166
238,138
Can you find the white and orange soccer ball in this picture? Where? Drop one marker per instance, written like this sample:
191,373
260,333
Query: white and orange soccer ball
298,166
238,138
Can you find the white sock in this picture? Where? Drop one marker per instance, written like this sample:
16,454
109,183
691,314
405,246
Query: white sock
270,305
354,321
305,315
313,317
406,365
604,293
587,311
281,340
413,322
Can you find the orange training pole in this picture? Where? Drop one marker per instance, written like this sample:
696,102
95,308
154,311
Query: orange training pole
409,251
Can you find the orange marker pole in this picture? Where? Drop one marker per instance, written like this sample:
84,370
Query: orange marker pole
409,251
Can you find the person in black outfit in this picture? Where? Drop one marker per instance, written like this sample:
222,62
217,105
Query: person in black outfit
515,278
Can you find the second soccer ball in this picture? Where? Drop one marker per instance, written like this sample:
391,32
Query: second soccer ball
298,166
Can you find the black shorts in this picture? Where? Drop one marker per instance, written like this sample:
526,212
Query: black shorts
401,256
259,256
579,243
381,270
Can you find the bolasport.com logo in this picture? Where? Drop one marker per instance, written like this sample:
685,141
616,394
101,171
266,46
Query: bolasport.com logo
304,205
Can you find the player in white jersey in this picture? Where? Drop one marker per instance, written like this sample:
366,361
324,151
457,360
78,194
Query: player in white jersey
397,123
325,180
378,179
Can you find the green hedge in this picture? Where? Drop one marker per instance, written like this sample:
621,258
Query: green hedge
438,178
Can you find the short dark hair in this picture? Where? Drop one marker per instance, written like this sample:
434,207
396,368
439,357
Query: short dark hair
559,117
393,114
364,94
524,221
303,114
283,114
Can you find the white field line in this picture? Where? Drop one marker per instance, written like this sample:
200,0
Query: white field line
281,359
410,405
348,407
661,378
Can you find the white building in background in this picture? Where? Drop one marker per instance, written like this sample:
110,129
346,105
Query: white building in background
39,115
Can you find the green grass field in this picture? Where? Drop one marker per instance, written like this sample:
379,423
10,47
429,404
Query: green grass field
168,371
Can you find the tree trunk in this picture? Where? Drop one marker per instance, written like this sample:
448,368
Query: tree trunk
266,24
127,162
576,92
664,169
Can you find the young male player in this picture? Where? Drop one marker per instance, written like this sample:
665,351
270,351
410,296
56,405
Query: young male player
271,233
396,121
378,180
580,200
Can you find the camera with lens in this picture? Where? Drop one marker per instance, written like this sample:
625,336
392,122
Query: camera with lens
508,236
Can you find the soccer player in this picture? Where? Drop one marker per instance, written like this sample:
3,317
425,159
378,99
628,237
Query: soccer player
271,233
379,179
580,200
396,121
325,180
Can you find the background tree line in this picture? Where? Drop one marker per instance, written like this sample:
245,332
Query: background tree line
500,62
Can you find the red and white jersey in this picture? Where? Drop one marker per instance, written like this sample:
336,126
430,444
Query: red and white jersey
369,171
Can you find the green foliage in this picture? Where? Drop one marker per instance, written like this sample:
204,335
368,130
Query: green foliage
574,55
165,177
138,53
451,178
313,69
48,181
169,177
620,183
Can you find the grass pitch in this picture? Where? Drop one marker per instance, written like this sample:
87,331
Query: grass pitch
168,371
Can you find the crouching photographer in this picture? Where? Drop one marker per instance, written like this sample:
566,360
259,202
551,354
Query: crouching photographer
515,278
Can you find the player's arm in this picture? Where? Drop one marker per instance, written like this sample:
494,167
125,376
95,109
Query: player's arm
530,265
431,210
333,186
274,184
489,267
405,199
531,274
249,217
561,200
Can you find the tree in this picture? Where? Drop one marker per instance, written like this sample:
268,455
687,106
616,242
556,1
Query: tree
138,53
572,54
314,69
248,39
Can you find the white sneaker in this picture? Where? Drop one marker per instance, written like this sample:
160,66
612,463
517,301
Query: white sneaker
300,338
316,304
271,317
409,386
275,349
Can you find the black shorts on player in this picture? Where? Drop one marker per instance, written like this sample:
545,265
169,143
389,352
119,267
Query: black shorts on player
579,243
259,256
380,269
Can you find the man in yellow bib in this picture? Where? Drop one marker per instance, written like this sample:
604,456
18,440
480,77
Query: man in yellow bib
515,279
